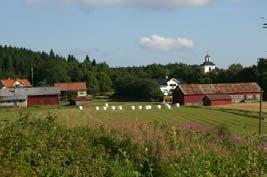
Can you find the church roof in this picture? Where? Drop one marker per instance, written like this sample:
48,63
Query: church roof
207,63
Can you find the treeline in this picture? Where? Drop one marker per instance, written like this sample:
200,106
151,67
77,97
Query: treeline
50,68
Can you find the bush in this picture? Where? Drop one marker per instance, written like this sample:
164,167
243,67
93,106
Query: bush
137,88
43,148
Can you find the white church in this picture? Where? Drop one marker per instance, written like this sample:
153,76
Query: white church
208,66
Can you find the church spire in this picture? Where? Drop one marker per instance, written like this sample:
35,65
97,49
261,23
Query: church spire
207,58
208,65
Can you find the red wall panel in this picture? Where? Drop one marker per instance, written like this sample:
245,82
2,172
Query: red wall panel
220,102
178,97
43,100
193,99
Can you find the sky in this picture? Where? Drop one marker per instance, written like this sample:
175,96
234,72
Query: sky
139,32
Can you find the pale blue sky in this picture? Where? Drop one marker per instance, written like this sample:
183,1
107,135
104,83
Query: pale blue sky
135,32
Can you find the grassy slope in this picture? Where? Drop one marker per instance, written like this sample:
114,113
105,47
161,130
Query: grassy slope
72,117
246,106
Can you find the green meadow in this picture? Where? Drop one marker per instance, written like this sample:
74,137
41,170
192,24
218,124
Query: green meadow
235,120
181,142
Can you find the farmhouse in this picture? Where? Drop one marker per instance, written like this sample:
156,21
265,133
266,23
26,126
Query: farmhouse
194,93
167,85
15,83
78,88
23,97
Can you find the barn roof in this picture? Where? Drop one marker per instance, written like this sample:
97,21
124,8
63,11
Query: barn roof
219,97
36,91
13,98
201,89
25,92
10,83
71,86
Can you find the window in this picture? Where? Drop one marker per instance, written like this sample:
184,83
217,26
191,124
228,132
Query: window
210,69
81,93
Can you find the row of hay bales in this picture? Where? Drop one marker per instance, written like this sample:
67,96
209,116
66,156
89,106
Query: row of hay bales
146,107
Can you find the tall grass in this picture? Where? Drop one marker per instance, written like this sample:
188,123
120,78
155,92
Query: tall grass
161,149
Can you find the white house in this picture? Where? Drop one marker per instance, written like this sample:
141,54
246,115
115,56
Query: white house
167,85
208,66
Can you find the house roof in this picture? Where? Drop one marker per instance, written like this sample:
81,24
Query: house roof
25,92
36,91
201,89
163,81
207,63
71,86
13,98
10,83
219,97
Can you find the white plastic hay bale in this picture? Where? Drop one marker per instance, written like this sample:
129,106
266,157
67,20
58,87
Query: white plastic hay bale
132,107
97,108
158,106
148,107
106,105
105,108
168,106
177,105
120,108
113,108
81,108
140,107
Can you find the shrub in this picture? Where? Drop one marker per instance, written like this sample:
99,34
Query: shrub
43,148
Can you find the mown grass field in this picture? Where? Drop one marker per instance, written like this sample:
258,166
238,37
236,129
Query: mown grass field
186,141
236,118
246,107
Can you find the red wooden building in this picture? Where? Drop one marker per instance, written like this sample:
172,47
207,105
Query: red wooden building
187,94
43,96
23,97
79,88
215,100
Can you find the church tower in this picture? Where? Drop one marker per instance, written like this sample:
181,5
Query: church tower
208,66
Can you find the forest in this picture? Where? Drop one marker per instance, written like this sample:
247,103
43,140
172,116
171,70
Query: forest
50,68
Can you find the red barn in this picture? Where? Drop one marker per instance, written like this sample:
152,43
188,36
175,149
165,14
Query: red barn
187,94
215,100
42,96
23,97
